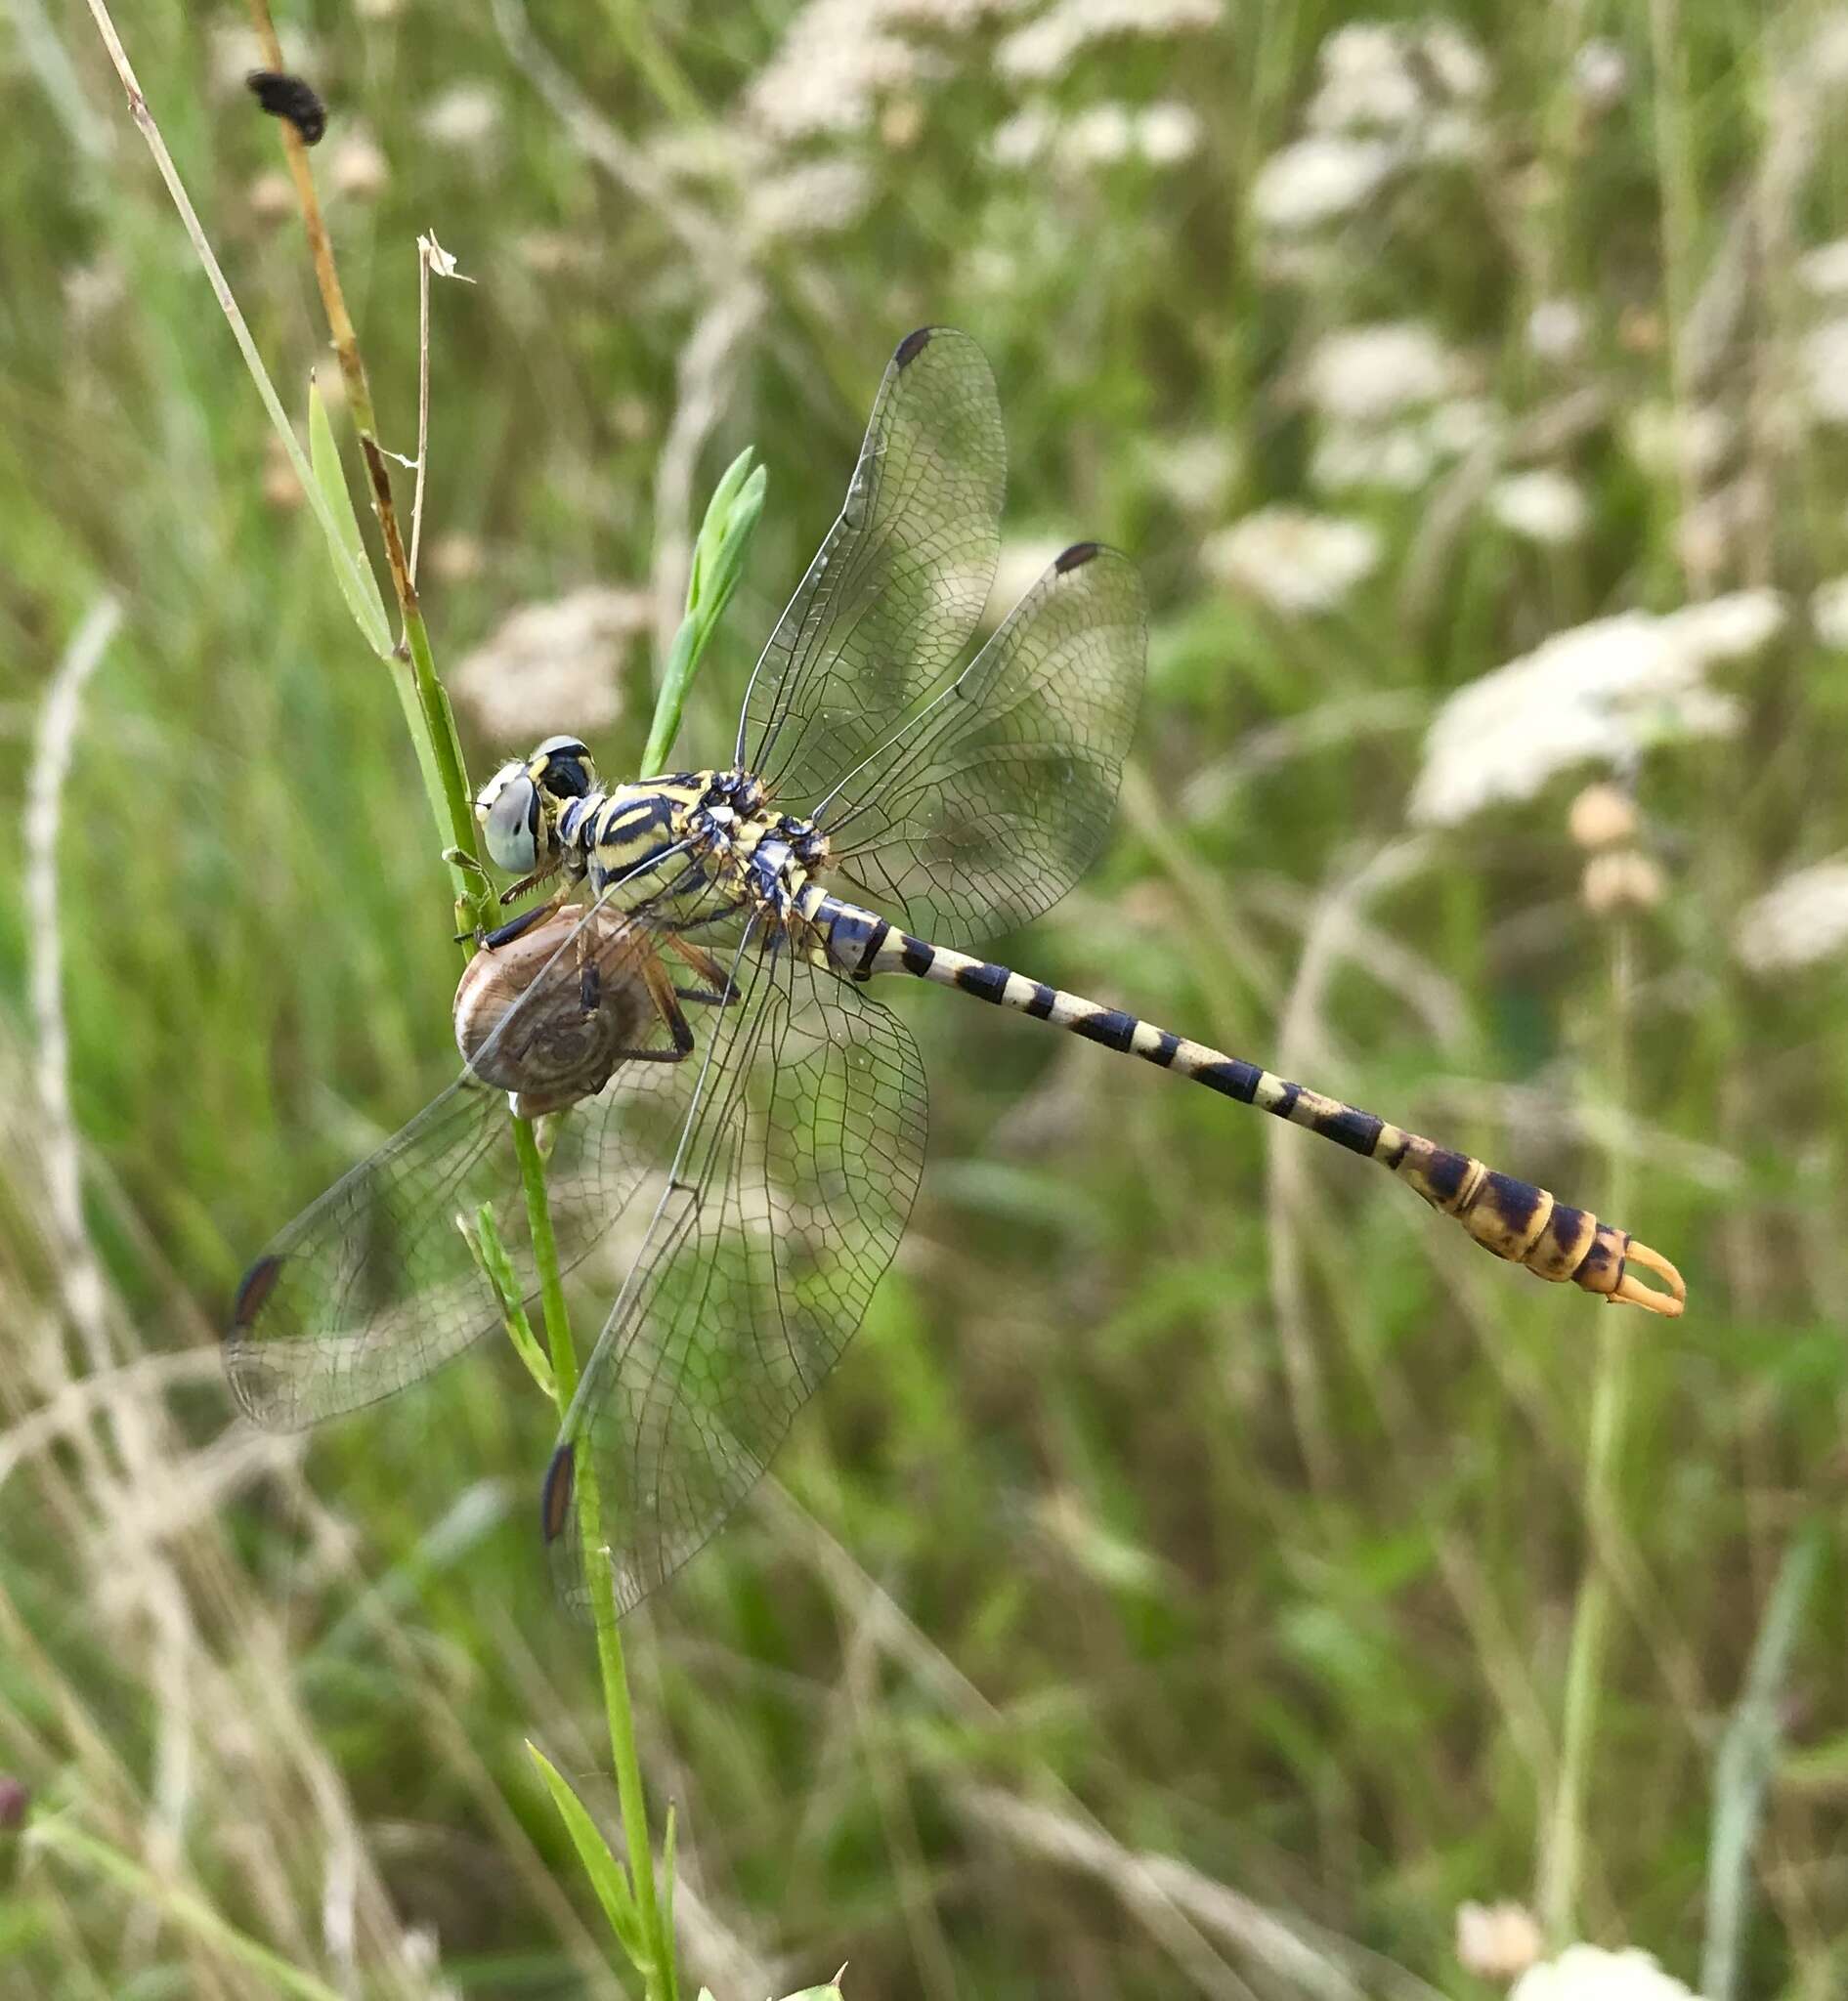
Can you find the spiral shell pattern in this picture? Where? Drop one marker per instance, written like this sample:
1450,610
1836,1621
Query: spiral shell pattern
521,1022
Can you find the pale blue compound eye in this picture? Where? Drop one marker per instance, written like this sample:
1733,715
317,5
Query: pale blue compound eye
510,826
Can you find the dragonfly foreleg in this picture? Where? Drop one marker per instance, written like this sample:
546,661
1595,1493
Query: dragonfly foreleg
515,927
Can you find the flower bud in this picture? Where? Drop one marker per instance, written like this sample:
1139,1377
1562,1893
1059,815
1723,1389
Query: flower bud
1621,880
1602,816
282,489
359,170
271,198
1497,1941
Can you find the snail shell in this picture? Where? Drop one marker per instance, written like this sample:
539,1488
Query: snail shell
520,1018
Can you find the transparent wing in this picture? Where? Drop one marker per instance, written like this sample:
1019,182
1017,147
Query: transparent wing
373,1286
991,805
897,586
792,1187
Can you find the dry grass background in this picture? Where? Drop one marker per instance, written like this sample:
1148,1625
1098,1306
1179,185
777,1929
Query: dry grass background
1175,1590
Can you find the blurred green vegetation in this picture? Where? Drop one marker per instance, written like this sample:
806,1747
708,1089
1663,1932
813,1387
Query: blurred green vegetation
1186,1491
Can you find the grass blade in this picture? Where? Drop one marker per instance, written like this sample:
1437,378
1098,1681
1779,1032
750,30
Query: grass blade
1741,1772
497,1267
608,1878
180,1906
351,566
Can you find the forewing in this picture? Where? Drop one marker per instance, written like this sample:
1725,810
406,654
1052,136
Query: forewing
797,1176
896,588
373,1286
995,802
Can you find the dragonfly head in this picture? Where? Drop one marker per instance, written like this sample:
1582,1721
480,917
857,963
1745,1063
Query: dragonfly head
519,807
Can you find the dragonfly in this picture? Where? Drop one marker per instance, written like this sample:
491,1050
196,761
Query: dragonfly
736,1125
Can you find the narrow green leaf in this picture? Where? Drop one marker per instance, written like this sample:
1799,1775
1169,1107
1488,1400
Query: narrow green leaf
608,1877
718,561
59,1835
1746,1761
829,1993
357,585
727,560
667,1872
497,1267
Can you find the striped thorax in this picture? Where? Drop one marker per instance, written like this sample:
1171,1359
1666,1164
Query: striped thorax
543,815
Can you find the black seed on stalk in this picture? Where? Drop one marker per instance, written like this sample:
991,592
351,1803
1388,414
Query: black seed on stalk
288,96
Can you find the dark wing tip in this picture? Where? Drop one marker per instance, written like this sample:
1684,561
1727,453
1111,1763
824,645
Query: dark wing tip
1074,558
253,1290
912,346
555,1495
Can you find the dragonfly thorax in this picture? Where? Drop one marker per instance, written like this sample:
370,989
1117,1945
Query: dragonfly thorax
632,842
760,858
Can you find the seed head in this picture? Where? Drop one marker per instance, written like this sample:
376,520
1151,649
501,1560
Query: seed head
1497,1941
272,197
1602,816
1621,880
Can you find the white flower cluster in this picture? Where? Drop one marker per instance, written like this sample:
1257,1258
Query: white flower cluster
463,118
1588,1972
1601,74
951,17
811,198
1318,180
1828,613
554,665
1823,273
1598,693
1290,559
234,48
1048,47
1555,330
840,61
1671,443
1384,76
1159,135
1393,403
1543,505
1194,470
837,61
1822,362
1363,374
1795,922
1388,95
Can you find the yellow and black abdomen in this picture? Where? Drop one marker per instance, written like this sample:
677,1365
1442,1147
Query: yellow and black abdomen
1512,1218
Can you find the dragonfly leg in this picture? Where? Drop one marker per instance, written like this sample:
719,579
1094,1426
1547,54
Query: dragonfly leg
515,891
719,990
504,934
660,990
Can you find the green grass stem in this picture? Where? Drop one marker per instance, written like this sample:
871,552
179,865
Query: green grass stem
1562,1864
57,1836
